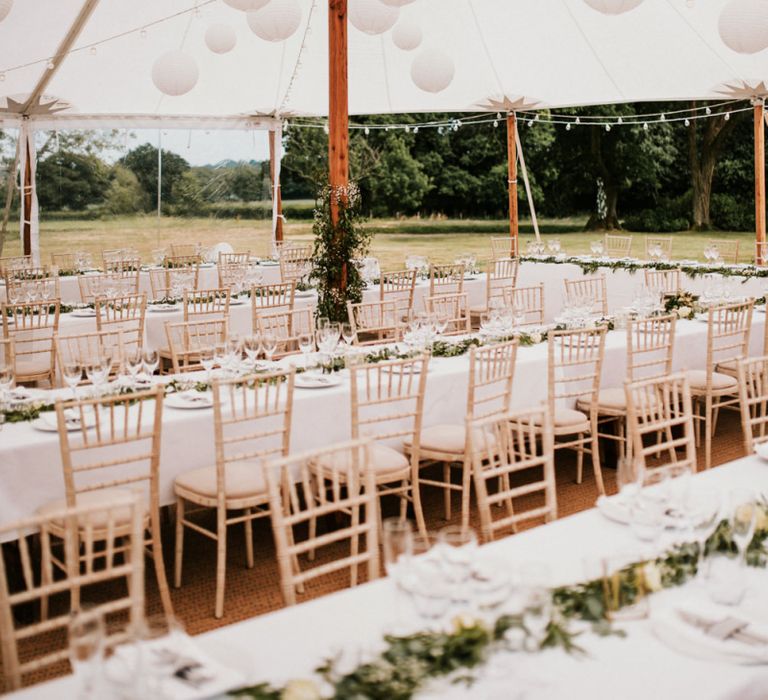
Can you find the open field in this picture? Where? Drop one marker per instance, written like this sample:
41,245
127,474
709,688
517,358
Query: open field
440,240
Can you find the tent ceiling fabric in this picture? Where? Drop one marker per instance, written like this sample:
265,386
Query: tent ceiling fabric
549,53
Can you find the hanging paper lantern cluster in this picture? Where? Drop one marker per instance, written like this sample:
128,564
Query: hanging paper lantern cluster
5,8
175,73
220,38
613,7
246,5
276,21
743,25
372,16
406,35
432,70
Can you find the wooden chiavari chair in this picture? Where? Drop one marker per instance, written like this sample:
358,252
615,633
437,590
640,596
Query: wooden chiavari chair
503,447
113,449
32,327
530,300
272,297
232,275
399,287
728,249
186,250
88,347
501,276
126,313
503,247
286,327
172,282
252,422
666,281
39,282
491,371
618,246
452,308
108,284
650,347
297,501
753,400
375,322
295,262
206,303
176,261
185,340
235,258
660,422
728,328
128,261
575,360
102,545
66,262
13,263
593,288
446,279
662,243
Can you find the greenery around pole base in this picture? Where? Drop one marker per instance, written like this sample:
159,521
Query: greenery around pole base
336,249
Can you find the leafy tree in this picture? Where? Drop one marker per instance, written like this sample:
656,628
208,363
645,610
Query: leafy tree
125,194
249,182
142,160
187,195
67,180
398,183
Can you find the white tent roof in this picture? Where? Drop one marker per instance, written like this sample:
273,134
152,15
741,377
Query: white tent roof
551,52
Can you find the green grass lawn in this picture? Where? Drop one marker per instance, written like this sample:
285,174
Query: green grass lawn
441,240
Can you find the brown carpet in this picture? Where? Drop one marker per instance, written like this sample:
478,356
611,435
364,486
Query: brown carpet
252,592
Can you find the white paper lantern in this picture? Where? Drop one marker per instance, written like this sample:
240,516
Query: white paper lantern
245,5
277,21
613,7
372,16
406,35
220,38
175,73
743,25
397,3
432,70
5,8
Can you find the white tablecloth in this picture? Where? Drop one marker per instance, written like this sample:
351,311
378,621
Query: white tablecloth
290,643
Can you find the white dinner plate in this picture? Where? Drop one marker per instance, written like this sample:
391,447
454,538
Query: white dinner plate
163,308
83,313
47,422
23,394
305,293
314,381
269,263
189,399
617,508
236,301
761,450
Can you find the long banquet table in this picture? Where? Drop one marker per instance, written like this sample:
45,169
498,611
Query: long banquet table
290,643
30,466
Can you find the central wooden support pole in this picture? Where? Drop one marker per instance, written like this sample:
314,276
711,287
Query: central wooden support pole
512,184
277,196
760,252
26,193
338,110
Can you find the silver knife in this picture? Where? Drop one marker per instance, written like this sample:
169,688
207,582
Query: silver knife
727,628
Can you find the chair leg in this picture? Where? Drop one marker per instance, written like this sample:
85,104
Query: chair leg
249,540
179,553
580,459
46,572
708,433
403,501
596,462
417,511
316,485
466,486
157,556
446,491
221,560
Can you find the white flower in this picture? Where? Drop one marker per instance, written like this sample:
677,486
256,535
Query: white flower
652,576
536,337
684,311
300,690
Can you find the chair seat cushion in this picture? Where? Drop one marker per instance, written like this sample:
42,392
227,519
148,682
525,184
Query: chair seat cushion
384,460
612,399
697,378
565,417
447,438
730,367
39,363
241,480
99,497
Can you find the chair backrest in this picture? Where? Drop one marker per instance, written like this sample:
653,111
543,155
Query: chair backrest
666,281
446,279
124,312
660,422
618,246
530,299
32,326
252,422
87,347
286,326
658,245
452,308
38,283
129,264
375,321
172,282
503,446
728,249
206,303
574,364
7,355
295,262
66,262
234,258
108,284
186,250
101,545
728,328
593,288
398,285
501,275
189,260
185,340
504,247
491,372
753,400
116,444
272,297
14,262
296,500
650,346
232,275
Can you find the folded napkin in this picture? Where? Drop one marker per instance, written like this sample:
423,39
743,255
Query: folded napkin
683,628
195,397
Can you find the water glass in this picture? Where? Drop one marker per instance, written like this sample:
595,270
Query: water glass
743,513
151,362
252,348
207,361
134,363
347,333
86,649
72,373
269,344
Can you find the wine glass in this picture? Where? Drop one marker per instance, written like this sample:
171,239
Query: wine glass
7,377
86,648
348,333
96,374
743,516
397,545
234,353
151,362
306,345
134,362
252,348
269,344
72,373
207,360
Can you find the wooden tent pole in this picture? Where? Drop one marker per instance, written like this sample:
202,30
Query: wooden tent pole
277,196
338,111
512,184
760,252
27,194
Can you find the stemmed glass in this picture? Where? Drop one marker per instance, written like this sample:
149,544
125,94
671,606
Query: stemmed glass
73,373
348,334
86,648
134,362
207,360
269,344
458,549
306,345
7,377
743,517
97,372
252,348
397,543
151,362
234,354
